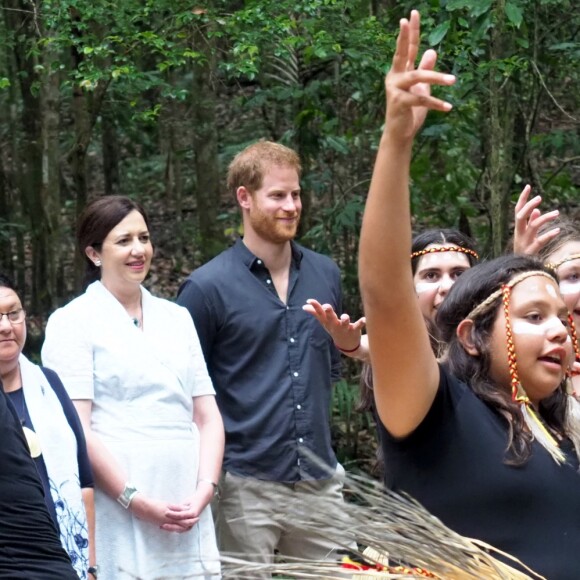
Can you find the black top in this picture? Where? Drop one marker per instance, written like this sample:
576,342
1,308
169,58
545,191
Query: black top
272,364
453,465
85,471
30,548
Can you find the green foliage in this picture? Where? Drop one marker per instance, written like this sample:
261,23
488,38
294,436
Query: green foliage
352,430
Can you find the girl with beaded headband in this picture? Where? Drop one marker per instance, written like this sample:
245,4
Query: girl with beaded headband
452,436
562,254
556,240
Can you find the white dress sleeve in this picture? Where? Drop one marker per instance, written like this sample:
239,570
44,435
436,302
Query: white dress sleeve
67,349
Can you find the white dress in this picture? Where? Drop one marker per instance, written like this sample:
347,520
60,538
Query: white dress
141,384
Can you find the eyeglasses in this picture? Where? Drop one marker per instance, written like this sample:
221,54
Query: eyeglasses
15,316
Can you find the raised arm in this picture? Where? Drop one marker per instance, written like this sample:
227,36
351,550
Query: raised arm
405,371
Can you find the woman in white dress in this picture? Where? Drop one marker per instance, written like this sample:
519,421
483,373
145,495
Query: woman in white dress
133,365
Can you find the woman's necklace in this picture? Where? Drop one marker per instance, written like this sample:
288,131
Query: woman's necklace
136,320
31,437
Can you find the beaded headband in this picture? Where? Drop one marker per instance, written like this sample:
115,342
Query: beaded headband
439,249
562,261
573,333
483,306
574,336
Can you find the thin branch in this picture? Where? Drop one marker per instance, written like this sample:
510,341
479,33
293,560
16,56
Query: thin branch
550,94
560,167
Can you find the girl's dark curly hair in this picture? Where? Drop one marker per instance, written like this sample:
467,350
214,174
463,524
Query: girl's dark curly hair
470,290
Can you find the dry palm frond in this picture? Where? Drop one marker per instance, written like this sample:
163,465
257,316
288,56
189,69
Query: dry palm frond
389,524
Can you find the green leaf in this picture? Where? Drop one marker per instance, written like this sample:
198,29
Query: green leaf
514,14
338,144
458,4
481,7
523,42
439,32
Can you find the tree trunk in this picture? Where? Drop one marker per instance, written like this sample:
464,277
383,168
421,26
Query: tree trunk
110,145
50,190
21,22
205,150
500,132
86,107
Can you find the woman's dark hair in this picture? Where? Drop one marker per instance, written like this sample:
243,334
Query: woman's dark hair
444,236
471,289
6,282
569,232
98,218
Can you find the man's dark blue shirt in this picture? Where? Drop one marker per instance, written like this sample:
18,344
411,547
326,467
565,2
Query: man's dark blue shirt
271,363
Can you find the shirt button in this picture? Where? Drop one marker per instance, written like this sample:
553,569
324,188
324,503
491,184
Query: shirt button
259,262
287,307
292,340
268,281
299,406
300,440
295,374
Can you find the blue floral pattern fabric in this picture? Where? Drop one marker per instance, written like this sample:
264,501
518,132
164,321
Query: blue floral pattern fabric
74,535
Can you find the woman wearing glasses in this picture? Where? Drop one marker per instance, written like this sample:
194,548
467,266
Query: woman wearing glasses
53,433
133,366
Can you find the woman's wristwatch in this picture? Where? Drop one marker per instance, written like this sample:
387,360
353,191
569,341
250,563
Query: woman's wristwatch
127,495
212,483
94,571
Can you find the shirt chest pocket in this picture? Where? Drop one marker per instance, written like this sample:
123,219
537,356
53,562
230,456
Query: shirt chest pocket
317,336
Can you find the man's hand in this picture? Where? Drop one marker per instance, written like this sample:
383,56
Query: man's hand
345,334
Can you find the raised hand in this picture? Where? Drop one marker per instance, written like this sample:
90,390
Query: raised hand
408,88
345,334
528,220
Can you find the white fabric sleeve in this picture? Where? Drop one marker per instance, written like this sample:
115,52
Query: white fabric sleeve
68,351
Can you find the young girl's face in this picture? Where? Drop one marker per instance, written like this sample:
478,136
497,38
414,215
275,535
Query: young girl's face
539,322
435,275
569,274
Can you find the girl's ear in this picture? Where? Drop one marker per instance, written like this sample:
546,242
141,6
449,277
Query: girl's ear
465,336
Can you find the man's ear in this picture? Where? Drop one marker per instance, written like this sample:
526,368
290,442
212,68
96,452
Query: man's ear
244,197
465,336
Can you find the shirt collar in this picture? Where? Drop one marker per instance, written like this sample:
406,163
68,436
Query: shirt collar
251,261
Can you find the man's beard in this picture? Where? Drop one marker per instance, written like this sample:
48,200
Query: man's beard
271,229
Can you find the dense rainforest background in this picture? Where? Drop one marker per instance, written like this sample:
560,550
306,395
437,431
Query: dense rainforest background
152,98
